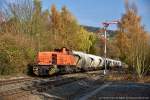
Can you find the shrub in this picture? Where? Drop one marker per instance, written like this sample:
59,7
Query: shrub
14,55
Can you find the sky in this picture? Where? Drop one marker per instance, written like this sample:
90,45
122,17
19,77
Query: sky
94,12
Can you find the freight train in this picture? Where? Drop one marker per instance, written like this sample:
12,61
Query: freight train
69,61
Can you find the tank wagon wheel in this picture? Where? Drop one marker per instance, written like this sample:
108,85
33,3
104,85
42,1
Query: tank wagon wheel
77,69
68,69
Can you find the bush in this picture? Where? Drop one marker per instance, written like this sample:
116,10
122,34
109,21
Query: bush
14,55
5,62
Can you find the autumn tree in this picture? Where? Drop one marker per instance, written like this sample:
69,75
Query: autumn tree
55,24
27,29
84,40
16,16
70,27
132,41
67,32
76,36
122,42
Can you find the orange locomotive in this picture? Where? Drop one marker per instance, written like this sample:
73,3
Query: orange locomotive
60,60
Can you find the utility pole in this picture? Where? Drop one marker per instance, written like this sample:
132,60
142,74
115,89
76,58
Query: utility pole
105,25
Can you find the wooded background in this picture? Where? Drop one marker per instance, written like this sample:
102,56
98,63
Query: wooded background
27,29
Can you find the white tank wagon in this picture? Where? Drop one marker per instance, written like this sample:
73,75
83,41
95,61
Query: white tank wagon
110,63
118,63
84,61
97,62
90,62
114,63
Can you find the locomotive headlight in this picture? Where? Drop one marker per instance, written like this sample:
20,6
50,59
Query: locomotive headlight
35,68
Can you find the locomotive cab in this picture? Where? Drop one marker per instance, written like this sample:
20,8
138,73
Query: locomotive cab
49,63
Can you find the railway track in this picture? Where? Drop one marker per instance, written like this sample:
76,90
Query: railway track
53,78
13,88
13,81
11,92
38,85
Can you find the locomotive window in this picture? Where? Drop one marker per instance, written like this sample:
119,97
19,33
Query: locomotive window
54,58
57,50
70,52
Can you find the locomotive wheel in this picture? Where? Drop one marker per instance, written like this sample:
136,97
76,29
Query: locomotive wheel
76,69
68,69
61,70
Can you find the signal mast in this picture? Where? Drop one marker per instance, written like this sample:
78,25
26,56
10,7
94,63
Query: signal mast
105,25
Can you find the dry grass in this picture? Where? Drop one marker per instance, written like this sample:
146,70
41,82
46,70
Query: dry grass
127,77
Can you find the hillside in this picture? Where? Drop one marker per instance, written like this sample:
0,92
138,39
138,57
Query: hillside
93,29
